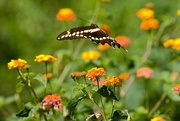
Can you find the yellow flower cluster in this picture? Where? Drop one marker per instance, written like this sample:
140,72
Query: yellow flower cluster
178,12
148,20
20,64
173,43
145,13
45,58
158,119
90,55
112,81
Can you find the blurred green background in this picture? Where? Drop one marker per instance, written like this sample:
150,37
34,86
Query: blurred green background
29,28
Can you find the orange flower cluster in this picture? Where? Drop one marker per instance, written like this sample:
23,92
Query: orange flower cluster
90,55
103,47
48,75
174,75
51,102
20,64
65,14
145,72
106,1
148,20
149,24
112,81
158,119
95,73
123,76
176,89
123,40
173,43
45,58
106,28
77,74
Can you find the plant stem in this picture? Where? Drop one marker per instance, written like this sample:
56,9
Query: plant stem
97,79
156,106
113,103
25,83
101,111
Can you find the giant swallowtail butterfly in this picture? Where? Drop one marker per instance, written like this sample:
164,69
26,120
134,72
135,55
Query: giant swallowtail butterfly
93,32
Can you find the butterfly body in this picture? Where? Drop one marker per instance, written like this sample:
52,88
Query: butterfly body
93,32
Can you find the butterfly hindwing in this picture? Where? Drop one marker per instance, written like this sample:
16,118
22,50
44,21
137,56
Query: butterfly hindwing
93,32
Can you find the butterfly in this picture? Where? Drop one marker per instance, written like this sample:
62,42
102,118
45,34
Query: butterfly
93,32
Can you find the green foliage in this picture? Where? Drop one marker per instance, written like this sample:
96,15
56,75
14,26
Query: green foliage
29,28
107,92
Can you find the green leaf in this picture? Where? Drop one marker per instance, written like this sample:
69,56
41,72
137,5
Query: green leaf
118,114
24,112
41,79
107,92
72,105
19,87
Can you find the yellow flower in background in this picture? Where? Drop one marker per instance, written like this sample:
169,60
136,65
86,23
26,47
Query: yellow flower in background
168,43
94,73
158,119
45,58
176,44
20,64
149,24
178,12
90,55
173,43
112,81
145,13
65,14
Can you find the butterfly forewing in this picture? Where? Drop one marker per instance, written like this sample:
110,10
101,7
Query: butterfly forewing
76,33
93,32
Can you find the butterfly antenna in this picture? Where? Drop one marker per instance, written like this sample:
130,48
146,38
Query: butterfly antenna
84,20
124,48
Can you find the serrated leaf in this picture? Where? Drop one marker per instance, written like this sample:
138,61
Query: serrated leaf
19,87
41,79
72,105
118,114
107,92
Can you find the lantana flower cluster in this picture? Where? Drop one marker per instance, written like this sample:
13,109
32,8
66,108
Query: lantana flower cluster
66,14
45,58
148,19
90,55
19,63
172,43
51,102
